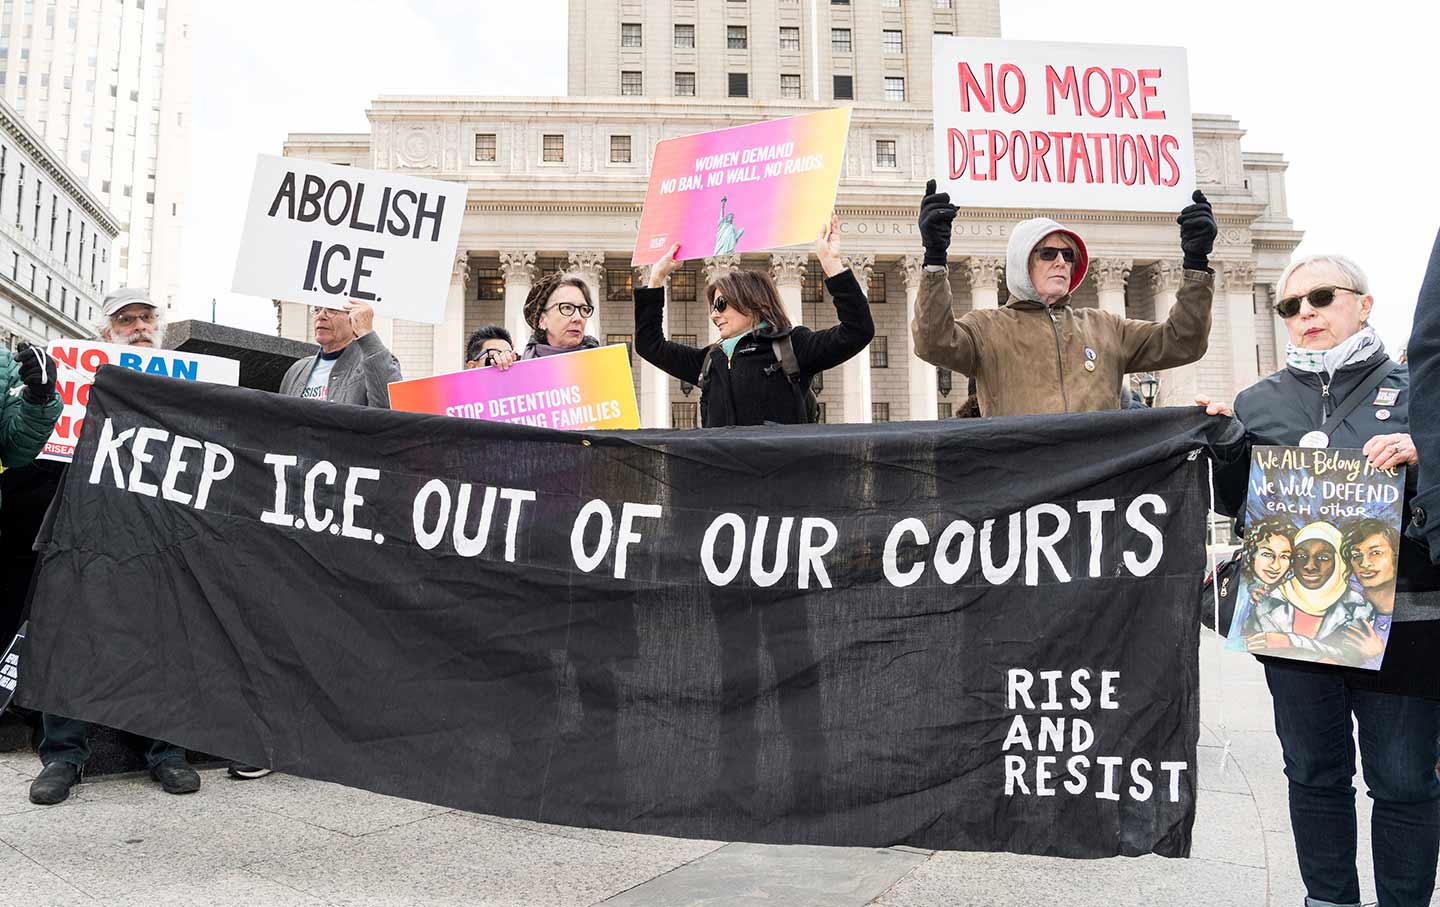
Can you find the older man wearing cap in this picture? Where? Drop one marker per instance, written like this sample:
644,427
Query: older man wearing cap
127,317
1037,353
352,364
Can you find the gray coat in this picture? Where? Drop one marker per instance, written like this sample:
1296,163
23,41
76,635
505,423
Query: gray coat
361,376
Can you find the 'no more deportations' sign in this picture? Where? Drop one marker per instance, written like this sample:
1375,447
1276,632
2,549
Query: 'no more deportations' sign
1021,124
321,234
916,633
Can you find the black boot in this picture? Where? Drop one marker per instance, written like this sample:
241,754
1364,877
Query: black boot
176,776
54,783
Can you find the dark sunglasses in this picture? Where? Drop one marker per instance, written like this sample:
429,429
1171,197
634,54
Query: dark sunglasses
719,303
1319,298
1048,253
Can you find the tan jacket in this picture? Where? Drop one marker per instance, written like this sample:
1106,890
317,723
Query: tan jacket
1026,359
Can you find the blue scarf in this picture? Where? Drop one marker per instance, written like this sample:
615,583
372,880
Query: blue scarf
728,346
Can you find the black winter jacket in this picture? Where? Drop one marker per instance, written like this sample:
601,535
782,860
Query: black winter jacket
752,388
1278,410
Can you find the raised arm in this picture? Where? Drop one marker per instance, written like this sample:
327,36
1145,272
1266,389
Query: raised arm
675,359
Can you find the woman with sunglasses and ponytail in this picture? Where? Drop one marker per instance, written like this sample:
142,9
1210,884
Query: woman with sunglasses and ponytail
742,379
1340,389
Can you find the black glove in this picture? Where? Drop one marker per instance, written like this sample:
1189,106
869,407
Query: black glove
37,372
1197,232
937,215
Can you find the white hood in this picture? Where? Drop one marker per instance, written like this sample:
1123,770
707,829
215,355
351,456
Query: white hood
1024,237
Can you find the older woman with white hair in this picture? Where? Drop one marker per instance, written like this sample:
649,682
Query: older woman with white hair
1340,389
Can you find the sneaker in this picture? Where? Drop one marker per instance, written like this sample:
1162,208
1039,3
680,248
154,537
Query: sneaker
54,782
247,772
176,776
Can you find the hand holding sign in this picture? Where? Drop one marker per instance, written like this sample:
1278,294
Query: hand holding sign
827,247
362,317
937,216
37,372
662,269
1197,232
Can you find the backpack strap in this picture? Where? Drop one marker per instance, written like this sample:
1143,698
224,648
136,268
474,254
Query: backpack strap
1358,396
784,351
705,368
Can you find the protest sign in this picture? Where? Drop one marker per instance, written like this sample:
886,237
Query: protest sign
77,360
322,234
863,635
579,391
1030,124
1321,551
759,186
10,668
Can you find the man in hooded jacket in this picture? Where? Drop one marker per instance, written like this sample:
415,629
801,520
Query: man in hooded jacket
1038,353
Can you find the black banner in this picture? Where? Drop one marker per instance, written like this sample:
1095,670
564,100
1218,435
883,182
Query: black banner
974,634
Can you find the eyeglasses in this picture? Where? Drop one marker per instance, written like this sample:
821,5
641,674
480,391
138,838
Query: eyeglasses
318,310
719,304
566,309
126,320
485,357
1319,298
1048,253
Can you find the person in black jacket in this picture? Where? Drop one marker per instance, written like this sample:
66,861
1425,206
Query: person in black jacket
745,384
1325,302
1425,367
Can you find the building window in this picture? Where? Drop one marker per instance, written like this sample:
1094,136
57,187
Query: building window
839,2
489,283
789,37
880,355
789,86
736,37
877,290
627,339
739,85
618,284
879,412
948,34
944,4
485,147
553,149
885,153
840,40
685,36
683,339
619,149
894,42
684,84
682,415
894,88
889,4
682,288
49,286
844,88
630,34
944,410
812,287
632,84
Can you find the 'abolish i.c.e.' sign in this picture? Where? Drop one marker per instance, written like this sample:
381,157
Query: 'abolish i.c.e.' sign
1022,124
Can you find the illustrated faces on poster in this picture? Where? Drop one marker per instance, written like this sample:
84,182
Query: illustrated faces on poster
1374,561
1314,561
1272,560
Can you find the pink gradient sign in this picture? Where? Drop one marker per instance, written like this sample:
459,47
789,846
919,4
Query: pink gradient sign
760,186
580,391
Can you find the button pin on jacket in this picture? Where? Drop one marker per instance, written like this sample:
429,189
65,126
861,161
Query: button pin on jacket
1387,396
1089,365
1382,414
1089,354
1315,439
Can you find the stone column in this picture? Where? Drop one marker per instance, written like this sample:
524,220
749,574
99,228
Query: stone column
856,370
1110,274
985,276
517,266
924,398
654,384
591,268
1240,299
787,269
448,350
715,268
1178,386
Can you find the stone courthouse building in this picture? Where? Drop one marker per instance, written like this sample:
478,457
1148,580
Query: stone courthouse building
557,183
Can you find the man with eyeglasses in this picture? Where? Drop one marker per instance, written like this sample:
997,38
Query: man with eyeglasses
489,345
129,318
1038,353
352,365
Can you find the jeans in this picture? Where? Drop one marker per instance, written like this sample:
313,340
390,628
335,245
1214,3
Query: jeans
1399,749
68,740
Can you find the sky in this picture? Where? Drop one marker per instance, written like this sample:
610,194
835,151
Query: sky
1343,90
